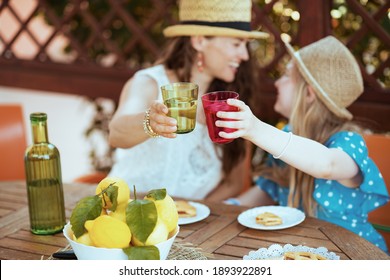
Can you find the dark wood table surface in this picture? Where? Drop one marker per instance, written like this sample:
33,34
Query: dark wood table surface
219,234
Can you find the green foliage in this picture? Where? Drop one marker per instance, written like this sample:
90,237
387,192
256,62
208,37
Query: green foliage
101,161
113,27
141,217
370,50
112,192
158,194
142,253
88,208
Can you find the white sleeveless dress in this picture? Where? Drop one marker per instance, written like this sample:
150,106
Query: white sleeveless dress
188,166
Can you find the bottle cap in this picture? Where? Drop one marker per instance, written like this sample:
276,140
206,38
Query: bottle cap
38,116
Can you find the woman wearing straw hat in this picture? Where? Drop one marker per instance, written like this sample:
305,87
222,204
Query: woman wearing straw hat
209,47
320,161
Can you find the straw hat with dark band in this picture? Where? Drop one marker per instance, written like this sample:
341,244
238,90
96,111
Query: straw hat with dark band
228,18
333,73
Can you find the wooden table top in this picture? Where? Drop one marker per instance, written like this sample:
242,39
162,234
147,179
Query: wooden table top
219,234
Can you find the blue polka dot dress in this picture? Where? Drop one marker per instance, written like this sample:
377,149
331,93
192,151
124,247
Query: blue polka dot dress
340,205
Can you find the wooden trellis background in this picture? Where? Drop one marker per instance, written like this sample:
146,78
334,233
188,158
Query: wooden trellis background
99,65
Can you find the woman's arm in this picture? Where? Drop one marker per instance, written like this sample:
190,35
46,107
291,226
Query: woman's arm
255,197
231,185
238,179
126,127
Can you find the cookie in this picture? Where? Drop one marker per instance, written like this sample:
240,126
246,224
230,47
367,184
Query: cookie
184,209
268,219
302,256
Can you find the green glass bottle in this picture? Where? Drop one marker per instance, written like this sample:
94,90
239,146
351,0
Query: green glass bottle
44,180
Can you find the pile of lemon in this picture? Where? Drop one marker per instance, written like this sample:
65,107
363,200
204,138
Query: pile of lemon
112,219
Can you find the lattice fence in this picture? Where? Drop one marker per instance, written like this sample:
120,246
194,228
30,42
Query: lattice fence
92,47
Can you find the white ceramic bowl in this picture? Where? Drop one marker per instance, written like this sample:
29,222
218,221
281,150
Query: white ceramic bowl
84,252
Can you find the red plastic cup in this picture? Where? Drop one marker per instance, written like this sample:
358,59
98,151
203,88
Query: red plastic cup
212,103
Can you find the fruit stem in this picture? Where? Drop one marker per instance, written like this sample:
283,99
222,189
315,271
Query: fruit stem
105,190
135,193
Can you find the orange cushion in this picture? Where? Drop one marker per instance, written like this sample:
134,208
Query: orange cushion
13,142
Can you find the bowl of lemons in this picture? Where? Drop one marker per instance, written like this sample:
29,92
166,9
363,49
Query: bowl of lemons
111,225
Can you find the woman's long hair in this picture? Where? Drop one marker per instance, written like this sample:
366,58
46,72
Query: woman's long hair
314,121
179,56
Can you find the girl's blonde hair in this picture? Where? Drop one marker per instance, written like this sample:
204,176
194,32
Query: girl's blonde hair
314,121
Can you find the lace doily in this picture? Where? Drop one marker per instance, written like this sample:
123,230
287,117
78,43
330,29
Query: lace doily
276,251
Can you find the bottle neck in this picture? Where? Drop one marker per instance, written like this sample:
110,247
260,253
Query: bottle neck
39,131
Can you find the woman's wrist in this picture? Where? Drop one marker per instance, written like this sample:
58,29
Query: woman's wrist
146,124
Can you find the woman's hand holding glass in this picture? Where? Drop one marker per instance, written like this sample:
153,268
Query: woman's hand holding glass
162,124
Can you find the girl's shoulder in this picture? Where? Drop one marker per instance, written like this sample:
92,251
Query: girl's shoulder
351,142
345,138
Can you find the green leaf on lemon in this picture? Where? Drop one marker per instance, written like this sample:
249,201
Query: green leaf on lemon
158,194
141,217
112,193
142,253
88,208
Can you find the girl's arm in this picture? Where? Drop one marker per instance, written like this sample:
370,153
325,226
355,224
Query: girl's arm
302,153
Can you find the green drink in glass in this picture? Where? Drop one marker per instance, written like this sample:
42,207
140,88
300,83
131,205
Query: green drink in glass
181,100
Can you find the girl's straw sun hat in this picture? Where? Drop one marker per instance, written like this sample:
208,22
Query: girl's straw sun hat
228,18
332,71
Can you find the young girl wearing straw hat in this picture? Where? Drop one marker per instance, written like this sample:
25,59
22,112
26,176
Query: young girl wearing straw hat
320,161
209,47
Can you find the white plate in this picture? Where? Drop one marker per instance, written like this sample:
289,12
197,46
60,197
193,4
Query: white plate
202,212
290,216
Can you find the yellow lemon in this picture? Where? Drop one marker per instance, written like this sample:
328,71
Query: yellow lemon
123,191
158,235
88,224
108,232
167,211
84,239
120,213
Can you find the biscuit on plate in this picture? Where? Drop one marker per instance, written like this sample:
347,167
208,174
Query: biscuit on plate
268,219
302,256
184,209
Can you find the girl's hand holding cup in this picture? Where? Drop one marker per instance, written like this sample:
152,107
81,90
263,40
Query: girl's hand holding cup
239,122
214,102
